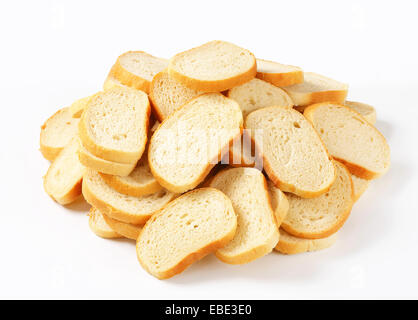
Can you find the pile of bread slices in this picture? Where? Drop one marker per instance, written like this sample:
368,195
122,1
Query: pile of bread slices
214,151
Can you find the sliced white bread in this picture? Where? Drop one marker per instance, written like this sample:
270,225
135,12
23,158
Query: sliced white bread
187,229
279,203
57,132
281,75
367,111
322,216
360,186
78,106
114,127
140,181
99,226
129,231
188,144
63,180
167,95
351,139
134,210
213,67
289,244
294,156
89,160
317,88
257,233
136,69
257,94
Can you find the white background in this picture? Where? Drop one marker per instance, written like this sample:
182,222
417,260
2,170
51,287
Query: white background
55,52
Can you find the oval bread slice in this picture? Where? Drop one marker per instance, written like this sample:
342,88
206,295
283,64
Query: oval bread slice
351,139
289,244
108,167
63,180
136,69
295,158
188,144
187,229
367,111
257,232
257,94
99,226
115,124
57,132
322,216
140,181
129,231
167,95
280,75
279,203
360,186
134,210
317,88
213,67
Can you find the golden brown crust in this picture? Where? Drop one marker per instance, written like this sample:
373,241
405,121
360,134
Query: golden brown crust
94,214
120,186
282,79
193,256
127,230
108,154
71,196
155,108
295,247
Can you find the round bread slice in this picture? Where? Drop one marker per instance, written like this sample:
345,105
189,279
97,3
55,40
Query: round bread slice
213,67
114,127
187,229
280,75
188,144
136,69
257,233
129,231
57,132
167,95
63,180
99,226
367,111
257,94
78,106
279,203
317,88
351,139
322,216
360,185
107,167
289,244
294,156
134,210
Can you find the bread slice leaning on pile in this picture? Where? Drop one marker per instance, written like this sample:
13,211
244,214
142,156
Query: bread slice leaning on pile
367,111
99,226
289,244
280,75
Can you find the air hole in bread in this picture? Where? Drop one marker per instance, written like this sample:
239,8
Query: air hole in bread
296,125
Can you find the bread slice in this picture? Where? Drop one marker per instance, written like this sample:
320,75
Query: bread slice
167,95
62,182
78,106
351,139
289,244
129,231
294,157
317,88
57,132
322,216
213,67
108,167
136,69
140,181
360,185
188,144
99,226
187,229
114,127
281,75
257,94
257,233
134,210
279,202
367,111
